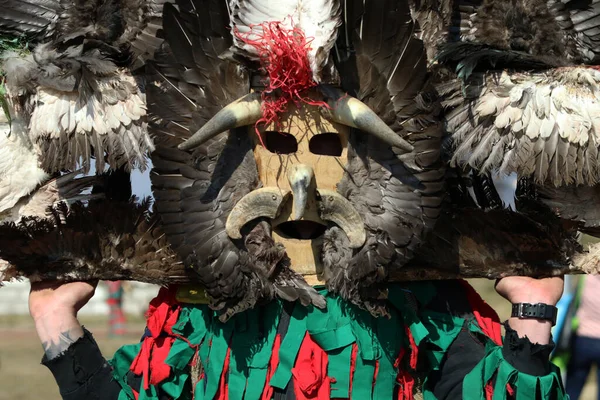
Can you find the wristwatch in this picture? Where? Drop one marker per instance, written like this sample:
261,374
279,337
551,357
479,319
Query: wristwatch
535,311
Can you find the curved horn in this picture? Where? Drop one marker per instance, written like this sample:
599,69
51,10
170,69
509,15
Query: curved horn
264,202
335,208
350,111
244,111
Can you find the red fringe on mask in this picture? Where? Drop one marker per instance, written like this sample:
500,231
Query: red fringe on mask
283,55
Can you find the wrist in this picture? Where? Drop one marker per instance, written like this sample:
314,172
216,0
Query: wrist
537,331
52,313
533,299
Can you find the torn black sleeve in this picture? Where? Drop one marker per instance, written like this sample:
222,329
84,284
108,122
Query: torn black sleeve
81,372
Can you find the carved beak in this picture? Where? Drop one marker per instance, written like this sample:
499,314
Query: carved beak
300,177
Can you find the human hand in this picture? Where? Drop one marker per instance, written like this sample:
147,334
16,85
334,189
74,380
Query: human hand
524,289
50,297
53,307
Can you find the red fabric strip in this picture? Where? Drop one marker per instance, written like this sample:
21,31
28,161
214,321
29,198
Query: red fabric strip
223,391
273,363
375,373
486,316
489,391
161,316
310,372
352,365
414,349
407,384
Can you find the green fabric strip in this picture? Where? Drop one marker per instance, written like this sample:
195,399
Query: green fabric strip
385,379
362,328
474,382
442,331
507,374
221,333
362,381
257,373
199,392
244,336
175,385
338,367
333,339
121,362
289,347
254,389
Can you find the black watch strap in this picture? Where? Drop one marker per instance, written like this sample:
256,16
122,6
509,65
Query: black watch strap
535,311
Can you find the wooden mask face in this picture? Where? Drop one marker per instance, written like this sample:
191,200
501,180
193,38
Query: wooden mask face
305,154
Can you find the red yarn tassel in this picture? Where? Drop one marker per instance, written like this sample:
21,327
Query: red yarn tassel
283,55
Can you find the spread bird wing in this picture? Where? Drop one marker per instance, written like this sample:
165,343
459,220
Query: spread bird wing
575,203
34,19
443,21
194,192
143,26
383,64
580,21
75,89
19,170
116,240
539,124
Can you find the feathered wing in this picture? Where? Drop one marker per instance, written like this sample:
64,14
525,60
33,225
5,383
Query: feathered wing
31,18
318,19
539,124
442,21
580,21
76,91
383,64
99,240
143,26
578,204
19,170
195,192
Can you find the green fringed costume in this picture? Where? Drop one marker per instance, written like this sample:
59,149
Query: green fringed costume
287,351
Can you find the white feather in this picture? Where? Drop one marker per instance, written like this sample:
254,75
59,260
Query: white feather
19,171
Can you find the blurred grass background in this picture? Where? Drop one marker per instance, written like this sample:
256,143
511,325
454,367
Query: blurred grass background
22,377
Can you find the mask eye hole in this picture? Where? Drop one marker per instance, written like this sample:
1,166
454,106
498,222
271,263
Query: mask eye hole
280,142
326,144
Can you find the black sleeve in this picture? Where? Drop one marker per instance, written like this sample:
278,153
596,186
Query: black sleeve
81,372
468,348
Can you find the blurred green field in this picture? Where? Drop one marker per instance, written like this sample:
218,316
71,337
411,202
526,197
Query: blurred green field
22,377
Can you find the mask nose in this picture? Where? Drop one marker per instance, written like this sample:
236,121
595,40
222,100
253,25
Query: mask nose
300,177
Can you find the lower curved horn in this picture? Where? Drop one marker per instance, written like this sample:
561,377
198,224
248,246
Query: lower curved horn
350,111
244,111
335,208
264,202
